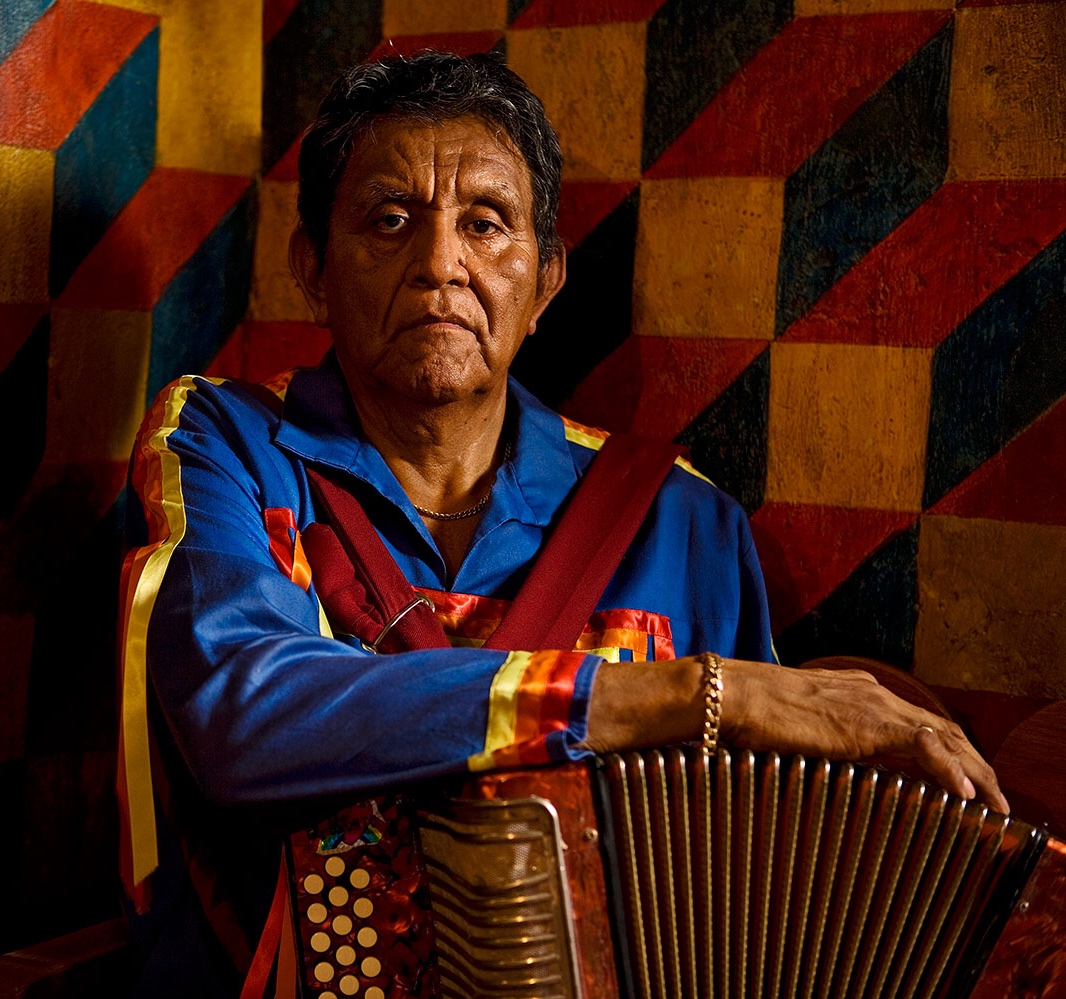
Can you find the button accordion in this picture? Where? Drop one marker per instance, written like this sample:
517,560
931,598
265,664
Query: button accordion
669,874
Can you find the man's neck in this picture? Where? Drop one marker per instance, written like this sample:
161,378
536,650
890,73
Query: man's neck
444,456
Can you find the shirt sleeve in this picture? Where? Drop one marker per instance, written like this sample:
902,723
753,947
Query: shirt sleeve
263,703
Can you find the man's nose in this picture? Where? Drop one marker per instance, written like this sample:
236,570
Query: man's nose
438,253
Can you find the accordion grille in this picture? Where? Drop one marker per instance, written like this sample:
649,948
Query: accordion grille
739,875
500,902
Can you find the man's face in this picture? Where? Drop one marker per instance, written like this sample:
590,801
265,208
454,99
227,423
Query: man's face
430,282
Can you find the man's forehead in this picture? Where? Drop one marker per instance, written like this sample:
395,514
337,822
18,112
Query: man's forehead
403,153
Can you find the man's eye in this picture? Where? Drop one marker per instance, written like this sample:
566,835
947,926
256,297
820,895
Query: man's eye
391,222
483,227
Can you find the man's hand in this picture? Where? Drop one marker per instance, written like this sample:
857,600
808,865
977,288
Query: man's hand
838,714
848,715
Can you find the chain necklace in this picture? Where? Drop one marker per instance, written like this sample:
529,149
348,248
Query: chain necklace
470,511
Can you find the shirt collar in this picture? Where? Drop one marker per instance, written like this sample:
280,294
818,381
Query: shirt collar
319,425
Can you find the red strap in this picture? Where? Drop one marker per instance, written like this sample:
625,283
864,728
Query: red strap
255,982
599,523
383,582
341,593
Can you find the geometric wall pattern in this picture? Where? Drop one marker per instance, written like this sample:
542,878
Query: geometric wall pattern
820,242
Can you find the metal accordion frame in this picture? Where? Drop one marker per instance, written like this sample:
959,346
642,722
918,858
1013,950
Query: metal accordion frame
671,874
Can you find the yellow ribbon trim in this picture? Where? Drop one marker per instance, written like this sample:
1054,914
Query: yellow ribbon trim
577,435
323,622
137,762
690,468
503,709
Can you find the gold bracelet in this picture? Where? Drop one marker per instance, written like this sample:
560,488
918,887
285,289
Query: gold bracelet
712,699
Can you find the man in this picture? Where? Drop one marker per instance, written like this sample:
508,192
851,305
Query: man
427,245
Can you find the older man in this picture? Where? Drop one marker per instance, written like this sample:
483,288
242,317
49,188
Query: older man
427,245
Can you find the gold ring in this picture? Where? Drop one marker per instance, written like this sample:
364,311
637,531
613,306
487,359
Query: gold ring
926,728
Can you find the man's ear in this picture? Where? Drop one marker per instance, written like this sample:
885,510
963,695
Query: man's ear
305,267
551,277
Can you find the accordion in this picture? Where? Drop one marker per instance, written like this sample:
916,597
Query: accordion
669,874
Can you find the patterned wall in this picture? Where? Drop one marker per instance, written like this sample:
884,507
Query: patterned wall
822,242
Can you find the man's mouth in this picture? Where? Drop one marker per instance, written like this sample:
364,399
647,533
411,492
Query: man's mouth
442,322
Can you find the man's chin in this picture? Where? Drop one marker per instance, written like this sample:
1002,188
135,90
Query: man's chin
442,388
429,380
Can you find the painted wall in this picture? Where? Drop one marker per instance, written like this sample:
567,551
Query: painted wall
822,242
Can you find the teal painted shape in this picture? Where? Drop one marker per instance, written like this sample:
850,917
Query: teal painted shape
728,441
888,158
1001,368
873,613
104,161
693,47
24,397
592,314
319,40
201,307
515,7
16,18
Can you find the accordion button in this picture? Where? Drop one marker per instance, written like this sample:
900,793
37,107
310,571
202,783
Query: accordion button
342,926
335,867
359,878
338,895
320,941
345,955
374,993
367,936
328,994
313,884
324,971
363,907
317,912
371,967
349,985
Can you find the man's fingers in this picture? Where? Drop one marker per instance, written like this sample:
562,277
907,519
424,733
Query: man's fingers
957,767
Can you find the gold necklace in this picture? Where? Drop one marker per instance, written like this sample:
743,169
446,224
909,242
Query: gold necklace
459,514
470,511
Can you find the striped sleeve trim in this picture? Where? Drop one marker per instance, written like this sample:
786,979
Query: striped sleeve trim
529,704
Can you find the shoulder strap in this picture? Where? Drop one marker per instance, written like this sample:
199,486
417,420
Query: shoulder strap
378,597
597,526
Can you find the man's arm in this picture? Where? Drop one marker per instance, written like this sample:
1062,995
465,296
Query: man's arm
263,704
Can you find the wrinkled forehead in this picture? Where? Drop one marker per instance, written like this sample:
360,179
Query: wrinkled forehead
408,155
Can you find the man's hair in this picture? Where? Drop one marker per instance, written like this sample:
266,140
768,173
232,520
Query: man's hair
431,87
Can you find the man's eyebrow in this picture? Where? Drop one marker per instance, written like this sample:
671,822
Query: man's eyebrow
497,194
375,190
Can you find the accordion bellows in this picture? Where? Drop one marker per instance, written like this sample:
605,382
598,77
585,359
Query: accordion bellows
669,874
